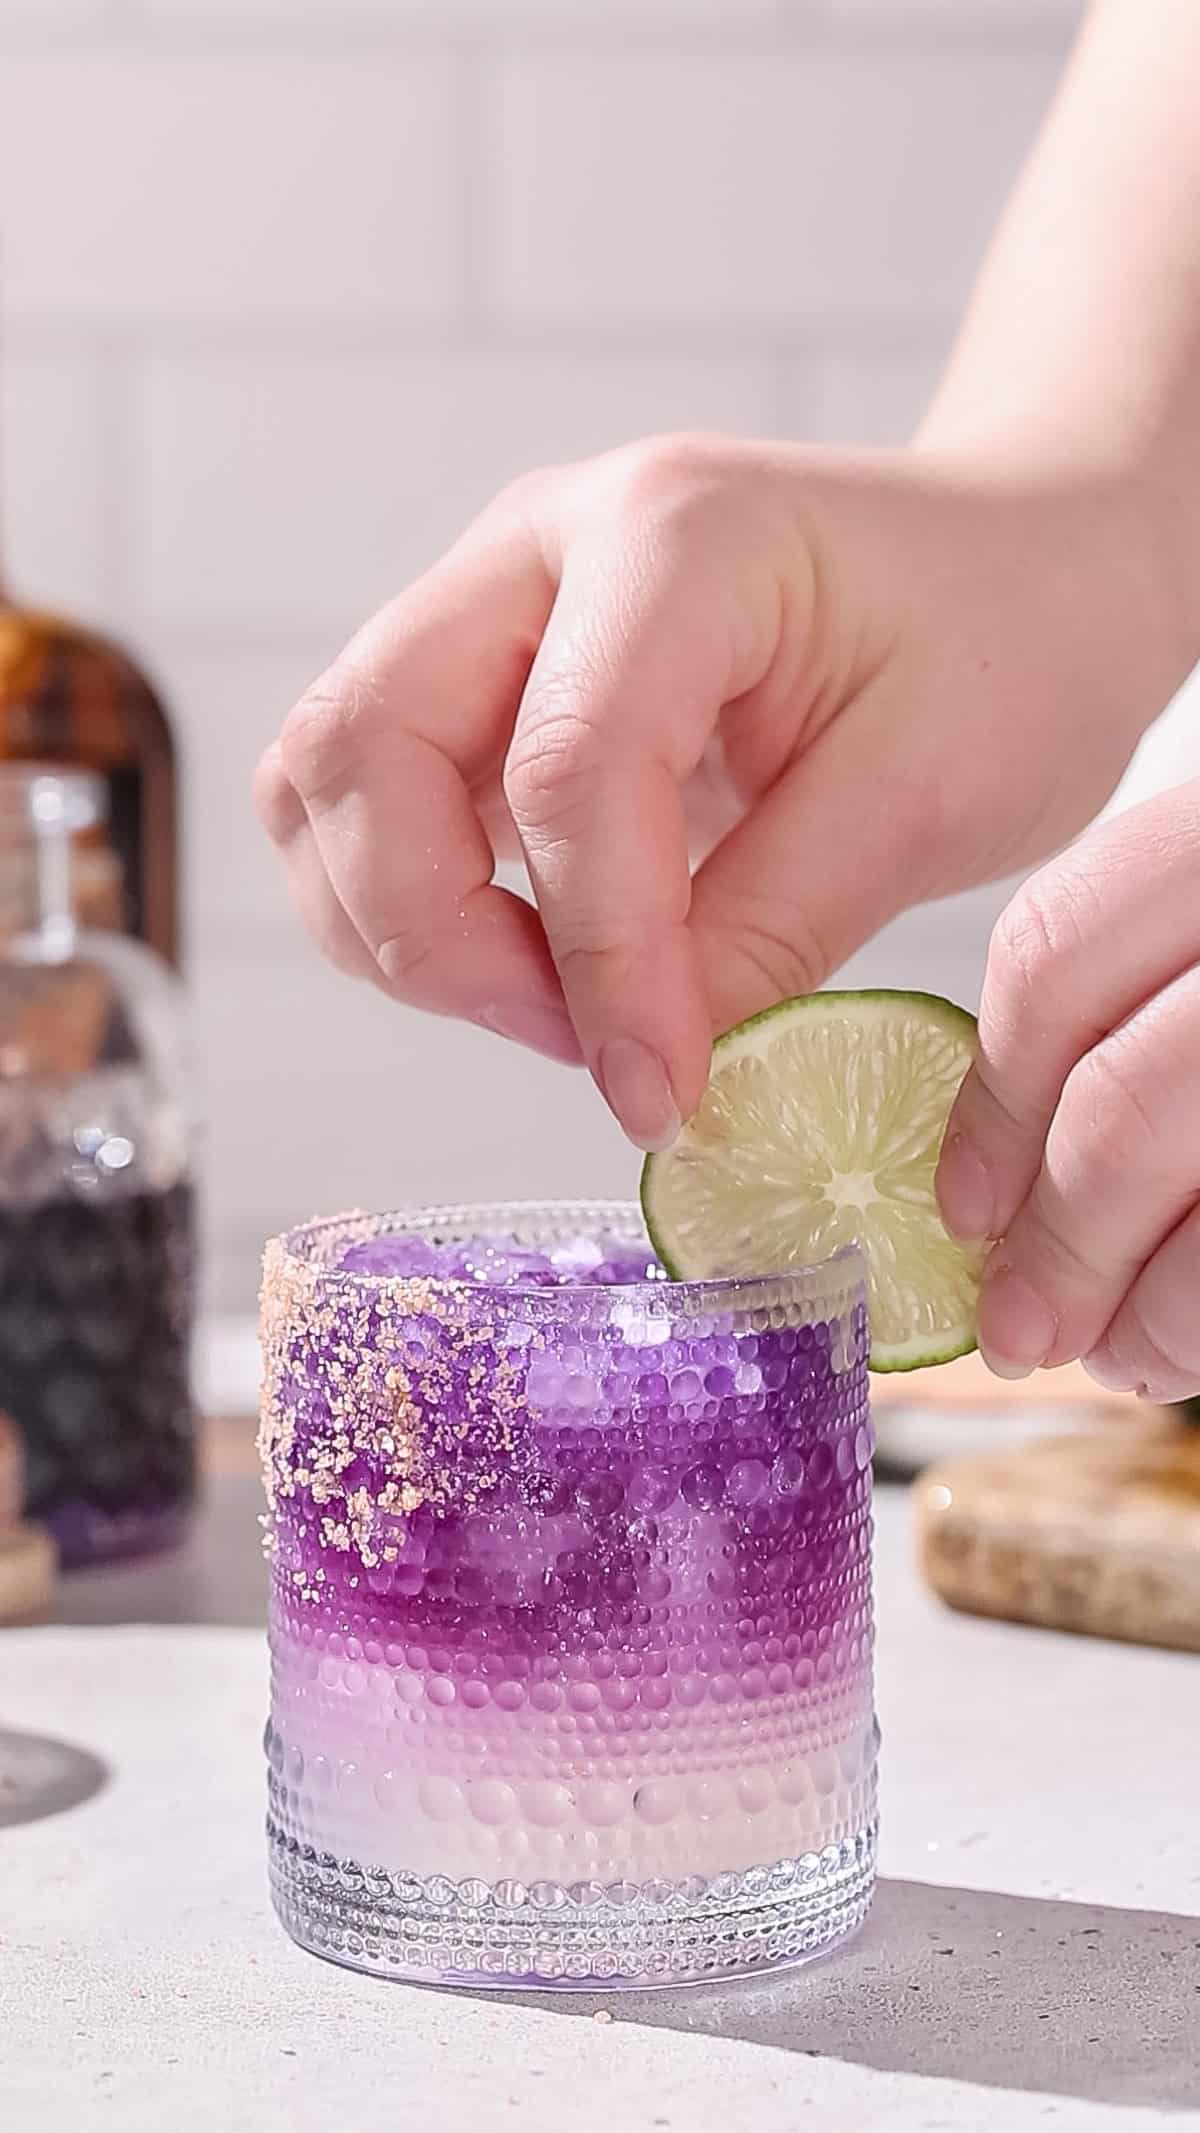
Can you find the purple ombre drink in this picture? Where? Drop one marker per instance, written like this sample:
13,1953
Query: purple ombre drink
571,1610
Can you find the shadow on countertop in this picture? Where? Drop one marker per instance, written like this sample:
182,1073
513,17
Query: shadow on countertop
42,1776
1018,1992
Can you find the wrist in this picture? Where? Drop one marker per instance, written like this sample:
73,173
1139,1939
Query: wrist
1117,536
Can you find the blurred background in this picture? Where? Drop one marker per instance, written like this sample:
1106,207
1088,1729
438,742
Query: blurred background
291,286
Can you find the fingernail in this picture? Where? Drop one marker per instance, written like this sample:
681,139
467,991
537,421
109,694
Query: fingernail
964,1190
1017,1329
544,1029
637,1089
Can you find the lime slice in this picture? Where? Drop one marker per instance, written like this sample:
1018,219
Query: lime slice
822,1123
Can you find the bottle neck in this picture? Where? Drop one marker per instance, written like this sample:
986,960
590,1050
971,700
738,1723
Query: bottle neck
37,904
56,924
41,815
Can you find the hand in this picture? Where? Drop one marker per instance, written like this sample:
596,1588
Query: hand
1076,1138
861,681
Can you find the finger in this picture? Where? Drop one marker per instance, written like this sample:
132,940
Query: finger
621,701
277,803
1153,1344
382,753
420,894
1087,938
829,854
1121,1167
282,813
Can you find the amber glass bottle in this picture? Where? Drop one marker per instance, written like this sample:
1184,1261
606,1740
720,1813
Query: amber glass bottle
70,697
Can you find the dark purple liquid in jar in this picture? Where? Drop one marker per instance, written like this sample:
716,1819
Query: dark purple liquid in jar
95,1326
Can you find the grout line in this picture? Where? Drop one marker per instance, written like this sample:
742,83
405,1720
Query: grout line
474,113
890,25
126,26
353,37
120,468
170,637
316,338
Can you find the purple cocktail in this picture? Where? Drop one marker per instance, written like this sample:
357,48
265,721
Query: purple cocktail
571,1609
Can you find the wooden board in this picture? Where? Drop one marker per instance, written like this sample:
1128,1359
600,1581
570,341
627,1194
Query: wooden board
1095,1532
27,1574
11,1472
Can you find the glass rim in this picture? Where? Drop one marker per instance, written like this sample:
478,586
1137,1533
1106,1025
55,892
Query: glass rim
300,1245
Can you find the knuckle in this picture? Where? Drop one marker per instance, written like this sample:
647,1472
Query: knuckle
552,765
1160,1346
1037,943
402,957
1148,1354
319,737
670,473
335,938
275,797
524,496
1105,1109
611,939
782,960
1047,1241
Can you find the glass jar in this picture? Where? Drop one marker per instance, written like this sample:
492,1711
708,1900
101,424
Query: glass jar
95,1193
570,1609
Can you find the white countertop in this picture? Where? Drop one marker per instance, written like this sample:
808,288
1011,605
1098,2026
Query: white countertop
1033,1957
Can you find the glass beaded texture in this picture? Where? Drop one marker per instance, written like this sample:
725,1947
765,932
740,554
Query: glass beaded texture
570,1618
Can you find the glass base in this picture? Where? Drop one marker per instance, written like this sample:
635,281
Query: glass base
578,1938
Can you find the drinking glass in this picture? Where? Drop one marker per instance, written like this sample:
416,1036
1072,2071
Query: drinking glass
570,1610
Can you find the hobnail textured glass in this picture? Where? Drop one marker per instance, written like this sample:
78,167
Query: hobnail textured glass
570,1613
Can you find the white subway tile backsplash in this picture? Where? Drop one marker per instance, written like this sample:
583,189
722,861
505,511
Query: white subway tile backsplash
294,287
1051,19
226,706
53,429
722,193
320,1094
284,490
50,20
507,20
141,188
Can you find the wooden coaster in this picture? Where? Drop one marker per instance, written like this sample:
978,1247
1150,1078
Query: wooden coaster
1096,1532
923,1416
967,1386
12,1478
28,1565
